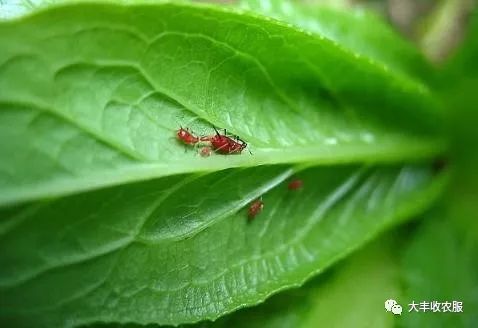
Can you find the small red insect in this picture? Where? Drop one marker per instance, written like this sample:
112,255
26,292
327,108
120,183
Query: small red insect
224,144
295,184
255,208
205,151
187,137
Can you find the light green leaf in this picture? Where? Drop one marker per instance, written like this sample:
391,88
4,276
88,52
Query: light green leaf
172,251
360,31
91,94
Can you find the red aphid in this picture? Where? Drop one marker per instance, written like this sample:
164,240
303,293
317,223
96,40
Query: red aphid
187,137
255,208
205,151
295,184
224,144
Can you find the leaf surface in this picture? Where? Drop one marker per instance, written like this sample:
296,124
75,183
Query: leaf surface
165,252
343,297
357,30
93,93
91,96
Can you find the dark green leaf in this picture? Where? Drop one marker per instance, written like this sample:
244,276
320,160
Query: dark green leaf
441,265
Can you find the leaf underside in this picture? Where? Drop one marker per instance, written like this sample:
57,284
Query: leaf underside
95,98
128,225
165,252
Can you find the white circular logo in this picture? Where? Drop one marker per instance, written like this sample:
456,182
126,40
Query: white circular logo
389,304
397,309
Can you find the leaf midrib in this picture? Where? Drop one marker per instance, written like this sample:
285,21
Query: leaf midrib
315,155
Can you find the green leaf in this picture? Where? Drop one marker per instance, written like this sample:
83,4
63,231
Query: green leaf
360,31
343,297
91,95
445,276
169,251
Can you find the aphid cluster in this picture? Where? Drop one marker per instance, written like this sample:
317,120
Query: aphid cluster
220,143
226,144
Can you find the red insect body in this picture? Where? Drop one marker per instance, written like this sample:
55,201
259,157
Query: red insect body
205,152
295,184
224,144
255,208
206,138
221,143
187,137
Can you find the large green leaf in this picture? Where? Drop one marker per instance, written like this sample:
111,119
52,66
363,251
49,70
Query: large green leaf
91,94
168,252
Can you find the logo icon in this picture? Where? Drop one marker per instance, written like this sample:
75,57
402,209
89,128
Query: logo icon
393,306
